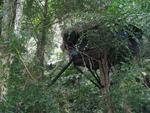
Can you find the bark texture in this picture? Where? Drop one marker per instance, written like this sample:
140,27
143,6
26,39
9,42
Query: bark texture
7,29
1,17
18,15
41,44
104,75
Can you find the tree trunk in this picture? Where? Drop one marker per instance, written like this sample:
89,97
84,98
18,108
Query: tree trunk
104,75
9,6
41,44
7,28
17,20
1,5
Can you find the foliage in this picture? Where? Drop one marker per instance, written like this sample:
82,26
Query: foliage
73,92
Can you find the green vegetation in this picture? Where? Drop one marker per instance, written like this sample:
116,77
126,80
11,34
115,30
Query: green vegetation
30,57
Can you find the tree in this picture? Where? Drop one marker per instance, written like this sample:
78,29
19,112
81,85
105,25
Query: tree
42,42
7,29
1,5
26,42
